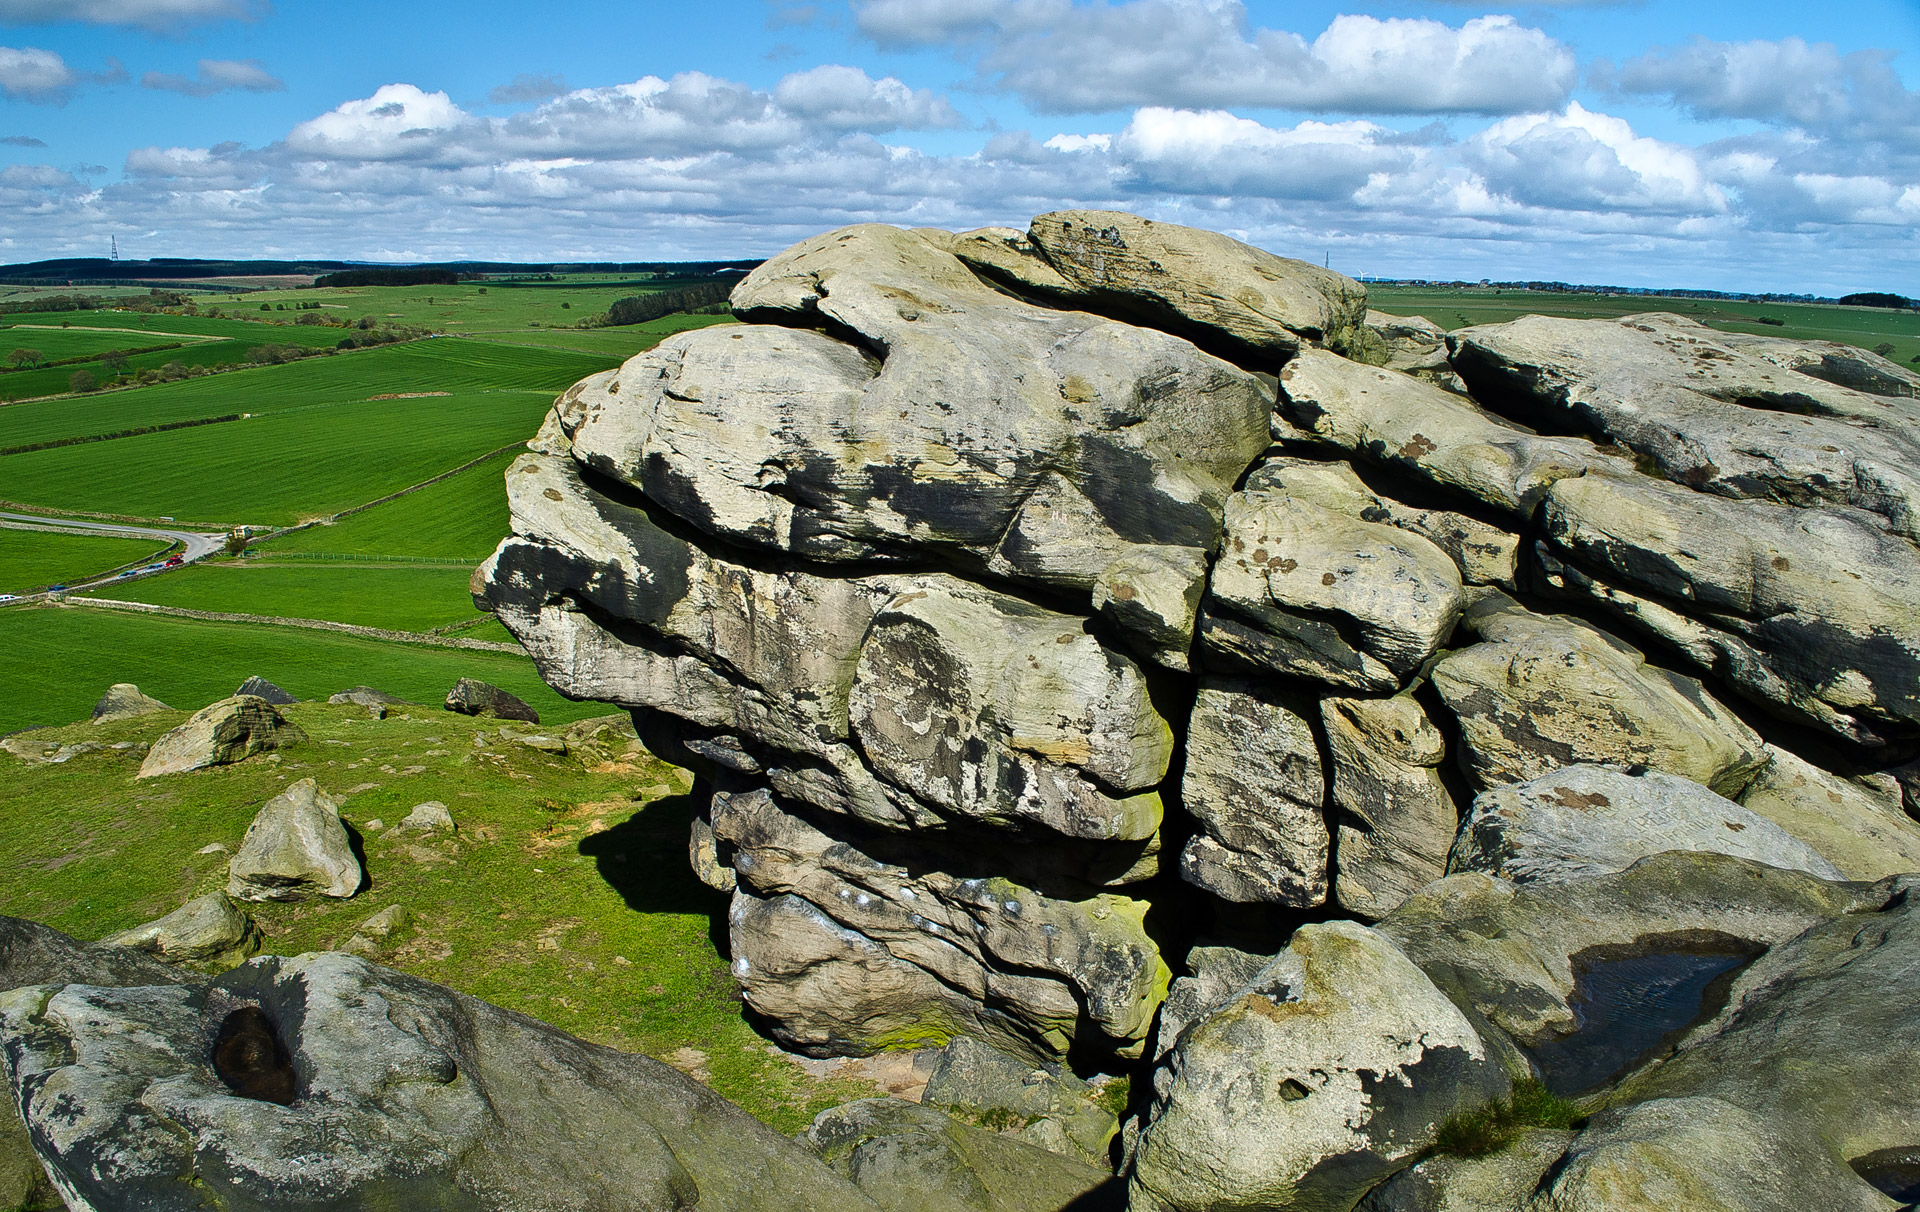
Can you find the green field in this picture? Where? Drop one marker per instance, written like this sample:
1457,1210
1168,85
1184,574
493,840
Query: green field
462,518
565,894
466,308
34,559
202,341
1457,308
56,661
401,597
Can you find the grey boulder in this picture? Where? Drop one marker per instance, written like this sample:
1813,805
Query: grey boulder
1396,818
297,847
123,701
1866,836
471,697
1253,780
1502,1181
1590,820
325,1082
208,930
260,687
228,731
1540,692
911,1158
1327,1073
978,1080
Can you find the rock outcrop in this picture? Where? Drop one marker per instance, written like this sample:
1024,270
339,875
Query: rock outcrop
472,697
228,731
325,1081
1028,601
123,701
208,930
260,687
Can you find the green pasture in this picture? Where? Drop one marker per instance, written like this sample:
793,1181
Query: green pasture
622,342
347,378
65,341
1455,307
468,307
400,597
461,518
278,468
565,894
34,559
56,661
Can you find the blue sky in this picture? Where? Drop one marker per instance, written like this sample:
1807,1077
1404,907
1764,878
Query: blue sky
1755,145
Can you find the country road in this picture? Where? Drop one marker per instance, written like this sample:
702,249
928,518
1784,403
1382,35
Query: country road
197,545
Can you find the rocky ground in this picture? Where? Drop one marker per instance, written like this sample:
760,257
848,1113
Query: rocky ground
1444,770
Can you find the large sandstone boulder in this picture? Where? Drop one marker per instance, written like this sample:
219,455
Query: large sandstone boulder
1866,836
1254,781
1540,692
982,1082
324,1081
1331,1070
470,696
296,847
1502,1181
123,701
228,731
911,1158
1204,285
209,930
260,687
1589,820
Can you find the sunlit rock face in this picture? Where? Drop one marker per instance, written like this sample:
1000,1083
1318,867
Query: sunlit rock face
1036,603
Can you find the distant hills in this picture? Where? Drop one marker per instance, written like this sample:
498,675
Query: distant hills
180,271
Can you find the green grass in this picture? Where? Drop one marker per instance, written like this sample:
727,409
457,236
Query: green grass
1865,327
1493,1127
461,518
55,662
467,307
57,342
565,895
417,597
620,343
34,559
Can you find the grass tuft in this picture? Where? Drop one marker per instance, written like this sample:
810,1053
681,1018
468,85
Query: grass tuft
1493,1127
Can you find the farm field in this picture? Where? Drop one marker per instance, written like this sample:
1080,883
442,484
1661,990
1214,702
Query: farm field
460,518
482,306
33,559
399,597
1866,327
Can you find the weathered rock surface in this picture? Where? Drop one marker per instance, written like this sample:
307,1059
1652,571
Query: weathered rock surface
1330,1071
903,956
1708,415
471,697
1540,692
919,1159
209,930
1502,1181
1584,820
1397,819
1866,837
1308,592
1521,958
1832,361
261,688
123,701
972,1078
1253,780
1412,345
430,817
36,752
348,1085
296,847
229,731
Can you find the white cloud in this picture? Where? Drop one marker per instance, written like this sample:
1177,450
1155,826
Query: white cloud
1214,152
1068,58
1582,160
149,14
218,76
845,98
31,74
1811,85
527,87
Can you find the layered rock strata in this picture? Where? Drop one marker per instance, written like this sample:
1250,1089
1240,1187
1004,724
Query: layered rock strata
1023,595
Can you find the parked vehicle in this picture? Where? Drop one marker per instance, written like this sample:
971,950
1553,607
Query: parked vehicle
175,561
55,588
9,597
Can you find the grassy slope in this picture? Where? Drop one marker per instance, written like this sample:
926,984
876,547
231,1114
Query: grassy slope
55,662
461,518
34,559
468,307
400,597
566,894
1862,326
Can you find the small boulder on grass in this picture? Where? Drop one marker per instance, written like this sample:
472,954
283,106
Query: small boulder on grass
367,696
209,929
123,701
230,730
296,848
430,817
261,687
472,697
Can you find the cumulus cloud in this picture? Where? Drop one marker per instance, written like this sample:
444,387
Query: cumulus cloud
1790,81
846,98
1066,58
31,74
148,14
526,87
22,141
1590,161
218,76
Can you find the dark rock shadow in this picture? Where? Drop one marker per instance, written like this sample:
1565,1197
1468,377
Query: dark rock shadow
358,845
644,859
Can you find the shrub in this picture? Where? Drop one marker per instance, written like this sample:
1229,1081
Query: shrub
26,357
1884,348
115,360
173,372
82,380
236,543
1770,320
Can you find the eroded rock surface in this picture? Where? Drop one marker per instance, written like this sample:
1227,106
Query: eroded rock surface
228,731
209,930
296,847
123,701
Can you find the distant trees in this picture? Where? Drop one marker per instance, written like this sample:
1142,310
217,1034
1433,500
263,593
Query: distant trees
82,381
115,360
24,357
412,276
1876,298
638,309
